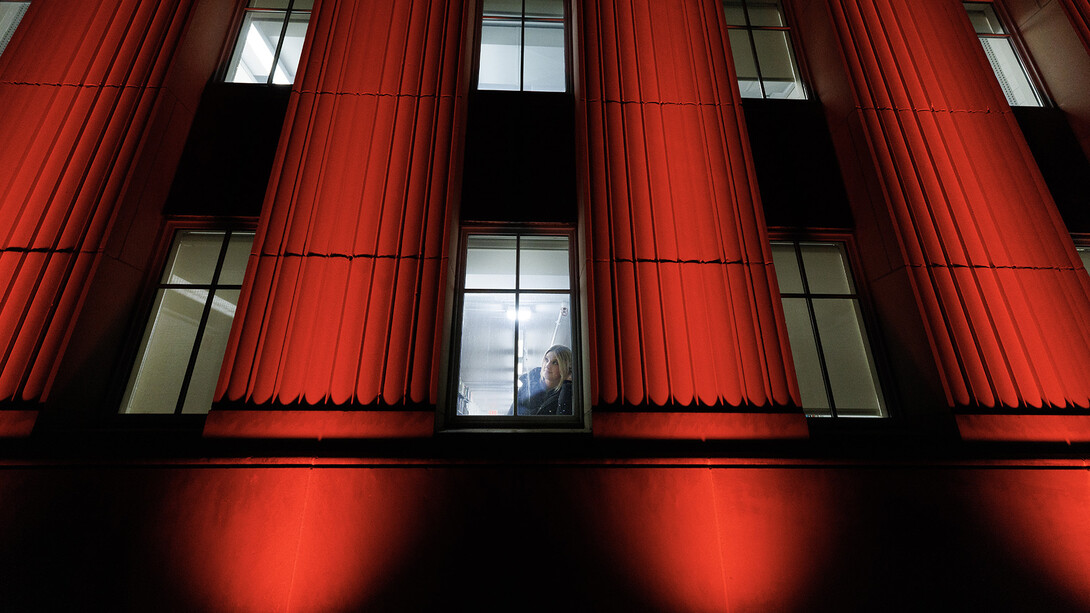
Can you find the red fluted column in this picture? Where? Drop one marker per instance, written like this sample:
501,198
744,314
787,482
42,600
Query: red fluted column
684,307
77,85
1005,300
343,304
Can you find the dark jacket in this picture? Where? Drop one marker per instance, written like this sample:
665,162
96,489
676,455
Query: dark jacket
534,399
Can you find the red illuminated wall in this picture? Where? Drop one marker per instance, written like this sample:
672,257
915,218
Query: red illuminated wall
344,301
79,83
960,206
676,241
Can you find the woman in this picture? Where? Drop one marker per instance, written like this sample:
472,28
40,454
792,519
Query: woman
547,389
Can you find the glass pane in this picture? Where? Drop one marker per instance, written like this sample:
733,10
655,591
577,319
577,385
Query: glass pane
544,69
303,5
734,13
543,262
202,385
743,55
545,329
504,8
490,262
804,352
850,374
765,14
269,4
486,365
193,258
11,13
787,268
984,19
238,254
501,46
1084,254
826,272
777,65
156,380
287,63
1010,73
545,9
253,57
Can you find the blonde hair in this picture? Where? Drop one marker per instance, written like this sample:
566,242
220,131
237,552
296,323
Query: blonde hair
563,358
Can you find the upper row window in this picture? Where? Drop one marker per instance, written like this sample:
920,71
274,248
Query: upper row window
760,41
1002,55
523,46
11,13
270,42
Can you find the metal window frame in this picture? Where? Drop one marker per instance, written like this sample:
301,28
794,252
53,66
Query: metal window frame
749,28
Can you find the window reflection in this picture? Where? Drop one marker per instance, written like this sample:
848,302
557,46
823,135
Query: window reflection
522,46
760,44
270,42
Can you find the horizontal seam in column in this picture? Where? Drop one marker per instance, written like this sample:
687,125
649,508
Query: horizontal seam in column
860,107
83,85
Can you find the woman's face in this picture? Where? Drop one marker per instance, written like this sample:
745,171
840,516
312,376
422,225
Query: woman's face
550,370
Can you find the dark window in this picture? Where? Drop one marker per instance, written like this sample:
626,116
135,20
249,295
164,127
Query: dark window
270,42
181,352
1002,53
11,13
523,46
832,356
515,335
760,41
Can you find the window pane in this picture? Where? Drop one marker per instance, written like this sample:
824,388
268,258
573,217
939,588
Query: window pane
1008,70
984,19
543,263
501,46
734,13
486,366
238,254
826,272
544,69
253,57
777,66
841,331
503,8
490,262
288,62
740,48
269,4
1084,255
805,355
202,384
193,258
156,380
11,13
545,9
303,5
787,268
544,335
765,14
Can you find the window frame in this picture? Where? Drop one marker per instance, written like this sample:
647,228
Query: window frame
875,352
1018,46
447,419
475,72
229,53
144,313
788,29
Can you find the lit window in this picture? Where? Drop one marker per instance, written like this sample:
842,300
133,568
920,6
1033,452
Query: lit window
999,47
180,355
270,42
515,359
522,46
1084,254
832,358
10,15
760,42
